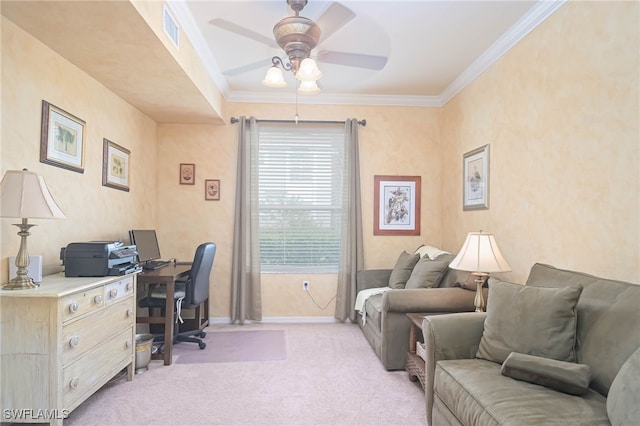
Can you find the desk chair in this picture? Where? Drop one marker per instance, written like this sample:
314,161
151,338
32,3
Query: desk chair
189,294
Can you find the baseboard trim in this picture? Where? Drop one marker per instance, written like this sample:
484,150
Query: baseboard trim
280,320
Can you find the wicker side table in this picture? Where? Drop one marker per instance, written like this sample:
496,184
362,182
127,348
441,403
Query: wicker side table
415,364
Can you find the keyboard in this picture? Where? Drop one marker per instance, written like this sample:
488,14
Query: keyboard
155,264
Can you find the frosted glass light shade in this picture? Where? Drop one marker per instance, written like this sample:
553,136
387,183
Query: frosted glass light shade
308,70
480,253
274,78
308,87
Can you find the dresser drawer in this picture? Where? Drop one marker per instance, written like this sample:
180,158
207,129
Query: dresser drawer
80,336
96,367
118,290
78,304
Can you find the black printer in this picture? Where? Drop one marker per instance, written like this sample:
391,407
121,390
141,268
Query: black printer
99,259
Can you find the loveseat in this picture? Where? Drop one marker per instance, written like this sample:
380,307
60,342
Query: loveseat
385,323
563,349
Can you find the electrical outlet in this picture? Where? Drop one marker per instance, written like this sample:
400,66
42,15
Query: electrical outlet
305,285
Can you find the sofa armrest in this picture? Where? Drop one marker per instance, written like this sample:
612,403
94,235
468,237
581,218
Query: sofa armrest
428,300
372,278
450,336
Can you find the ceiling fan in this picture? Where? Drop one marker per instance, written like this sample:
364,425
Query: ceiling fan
298,35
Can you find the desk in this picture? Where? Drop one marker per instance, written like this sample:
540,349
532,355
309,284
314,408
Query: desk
167,276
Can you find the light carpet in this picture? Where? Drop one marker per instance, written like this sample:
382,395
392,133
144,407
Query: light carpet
234,346
331,377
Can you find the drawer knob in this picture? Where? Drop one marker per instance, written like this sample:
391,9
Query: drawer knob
113,292
129,286
130,313
73,383
98,299
127,343
73,307
74,341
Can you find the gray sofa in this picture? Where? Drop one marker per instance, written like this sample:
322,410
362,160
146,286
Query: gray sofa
599,379
387,325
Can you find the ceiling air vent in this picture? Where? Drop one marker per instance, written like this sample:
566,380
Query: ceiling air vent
171,27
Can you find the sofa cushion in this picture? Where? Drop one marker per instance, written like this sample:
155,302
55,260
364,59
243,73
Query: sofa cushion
402,270
478,394
427,273
567,377
623,401
537,321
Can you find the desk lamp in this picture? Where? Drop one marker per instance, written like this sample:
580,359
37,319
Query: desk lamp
23,194
480,255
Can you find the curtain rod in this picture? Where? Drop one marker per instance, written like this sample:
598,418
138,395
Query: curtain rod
363,123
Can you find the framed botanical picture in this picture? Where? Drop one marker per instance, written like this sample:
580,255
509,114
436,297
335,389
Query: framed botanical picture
396,205
187,174
475,181
62,138
115,165
212,189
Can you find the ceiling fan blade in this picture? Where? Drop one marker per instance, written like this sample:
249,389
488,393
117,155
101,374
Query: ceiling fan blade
230,26
335,17
357,60
264,63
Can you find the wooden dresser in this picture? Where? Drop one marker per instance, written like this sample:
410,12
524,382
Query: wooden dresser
61,342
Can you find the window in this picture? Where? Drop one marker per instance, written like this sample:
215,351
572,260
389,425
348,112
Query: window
300,175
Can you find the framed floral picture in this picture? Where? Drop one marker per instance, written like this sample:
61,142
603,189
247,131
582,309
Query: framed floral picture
187,174
62,138
396,205
115,165
212,189
475,181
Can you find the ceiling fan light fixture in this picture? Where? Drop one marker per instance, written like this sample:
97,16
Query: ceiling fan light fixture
308,70
274,78
308,87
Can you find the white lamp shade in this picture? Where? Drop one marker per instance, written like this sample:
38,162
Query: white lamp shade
24,194
308,87
480,253
274,78
308,70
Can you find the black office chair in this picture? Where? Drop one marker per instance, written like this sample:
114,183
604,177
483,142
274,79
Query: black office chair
189,294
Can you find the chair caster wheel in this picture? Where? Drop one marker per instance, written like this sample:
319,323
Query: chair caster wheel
203,334
202,345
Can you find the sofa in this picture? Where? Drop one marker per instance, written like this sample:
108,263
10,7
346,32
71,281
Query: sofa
439,290
563,349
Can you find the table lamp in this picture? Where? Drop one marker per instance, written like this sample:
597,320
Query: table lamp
23,194
480,255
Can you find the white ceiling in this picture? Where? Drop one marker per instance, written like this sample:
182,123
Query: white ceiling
434,48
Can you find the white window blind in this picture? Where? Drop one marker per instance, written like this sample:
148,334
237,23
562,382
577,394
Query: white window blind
300,171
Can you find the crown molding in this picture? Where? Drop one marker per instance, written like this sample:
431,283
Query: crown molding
534,17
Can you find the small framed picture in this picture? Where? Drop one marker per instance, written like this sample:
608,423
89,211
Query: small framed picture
212,189
475,180
62,138
396,205
115,166
187,174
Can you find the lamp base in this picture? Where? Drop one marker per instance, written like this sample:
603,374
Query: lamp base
479,299
20,283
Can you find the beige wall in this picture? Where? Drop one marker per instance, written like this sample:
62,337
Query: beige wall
560,112
395,141
32,72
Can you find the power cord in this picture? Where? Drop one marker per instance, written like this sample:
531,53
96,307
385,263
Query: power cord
322,308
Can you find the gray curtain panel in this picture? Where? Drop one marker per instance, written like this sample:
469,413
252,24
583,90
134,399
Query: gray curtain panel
246,298
351,256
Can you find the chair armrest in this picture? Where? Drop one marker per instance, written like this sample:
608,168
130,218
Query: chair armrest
372,278
450,336
428,300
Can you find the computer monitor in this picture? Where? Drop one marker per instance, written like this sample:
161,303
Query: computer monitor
146,243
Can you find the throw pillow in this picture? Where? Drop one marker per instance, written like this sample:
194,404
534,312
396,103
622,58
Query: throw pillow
623,400
537,321
427,273
567,377
402,270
